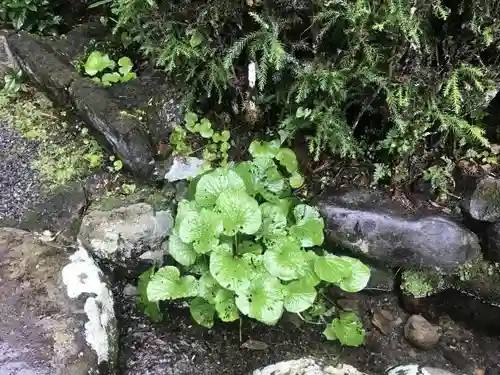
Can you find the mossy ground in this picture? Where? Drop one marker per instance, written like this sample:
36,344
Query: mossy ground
66,151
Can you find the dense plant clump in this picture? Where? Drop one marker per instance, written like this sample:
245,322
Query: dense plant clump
380,80
33,15
106,71
243,244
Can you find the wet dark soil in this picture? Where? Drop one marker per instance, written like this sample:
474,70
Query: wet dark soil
178,346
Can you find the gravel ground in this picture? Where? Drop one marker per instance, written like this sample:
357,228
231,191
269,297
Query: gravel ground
19,185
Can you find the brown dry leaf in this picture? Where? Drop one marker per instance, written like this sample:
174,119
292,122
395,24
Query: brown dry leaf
383,320
255,345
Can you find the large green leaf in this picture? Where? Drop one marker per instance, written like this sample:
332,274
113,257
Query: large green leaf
358,277
239,212
299,296
347,329
211,185
151,309
182,252
231,272
309,226
332,268
166,284
260,149
306,271
225,306
202,312
208,287
287,159
284,259
263,300
202,229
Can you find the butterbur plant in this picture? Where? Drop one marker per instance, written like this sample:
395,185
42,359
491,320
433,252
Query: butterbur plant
243,245
101,68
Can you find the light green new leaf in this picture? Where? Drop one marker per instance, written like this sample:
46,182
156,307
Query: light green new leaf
208,287
191,119
260,149
97,62
182,252
231,272
287,159
166,284
110,78
332,268
347,329
202,312
284,259
202,229
125,65
239,212
309,226
296,180
299,296
205,128
358,277
211,185
225,306
263,300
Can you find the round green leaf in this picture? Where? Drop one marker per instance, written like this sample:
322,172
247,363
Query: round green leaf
347,329
331,268
274,221
202,312
225,306
231,272
166,284
263,300
205,128
211,185
208,287
299,296
239,212
358,277
182,253
309,226
260,149
287,159
296,180
202,229
284,259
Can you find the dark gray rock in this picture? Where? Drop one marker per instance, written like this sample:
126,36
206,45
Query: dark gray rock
7,61
484,203
128,235
371,225
57,312
493,242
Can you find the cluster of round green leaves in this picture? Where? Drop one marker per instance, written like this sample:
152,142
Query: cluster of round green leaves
101,68
216,149
255,248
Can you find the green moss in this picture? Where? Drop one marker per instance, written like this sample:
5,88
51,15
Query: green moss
63,155
422,283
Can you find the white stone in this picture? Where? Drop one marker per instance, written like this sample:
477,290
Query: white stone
83,276
183,168
307,366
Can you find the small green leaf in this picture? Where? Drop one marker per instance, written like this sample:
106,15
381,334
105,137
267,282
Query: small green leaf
208,287
125,64
296,180
128,77
211,185
191,119
202,229
196,39
245,171
92,65
347,329
309,226
117,165
239,212
358,277
205,128
284,259
332,268
274,221
263,300
231,272
306,271
202,312
287,159
166,284
109,78
299,296
225,306
183,253
260,149
151,309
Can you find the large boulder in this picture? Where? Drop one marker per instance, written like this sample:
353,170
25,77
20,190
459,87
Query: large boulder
484,204
57,311
128,234
371,225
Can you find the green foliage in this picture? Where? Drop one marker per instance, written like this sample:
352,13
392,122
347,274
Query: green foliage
102,69
262,248
374,80
216,145
347,329
12,83
440,176
31,15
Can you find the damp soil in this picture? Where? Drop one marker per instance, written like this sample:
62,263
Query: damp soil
178,346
